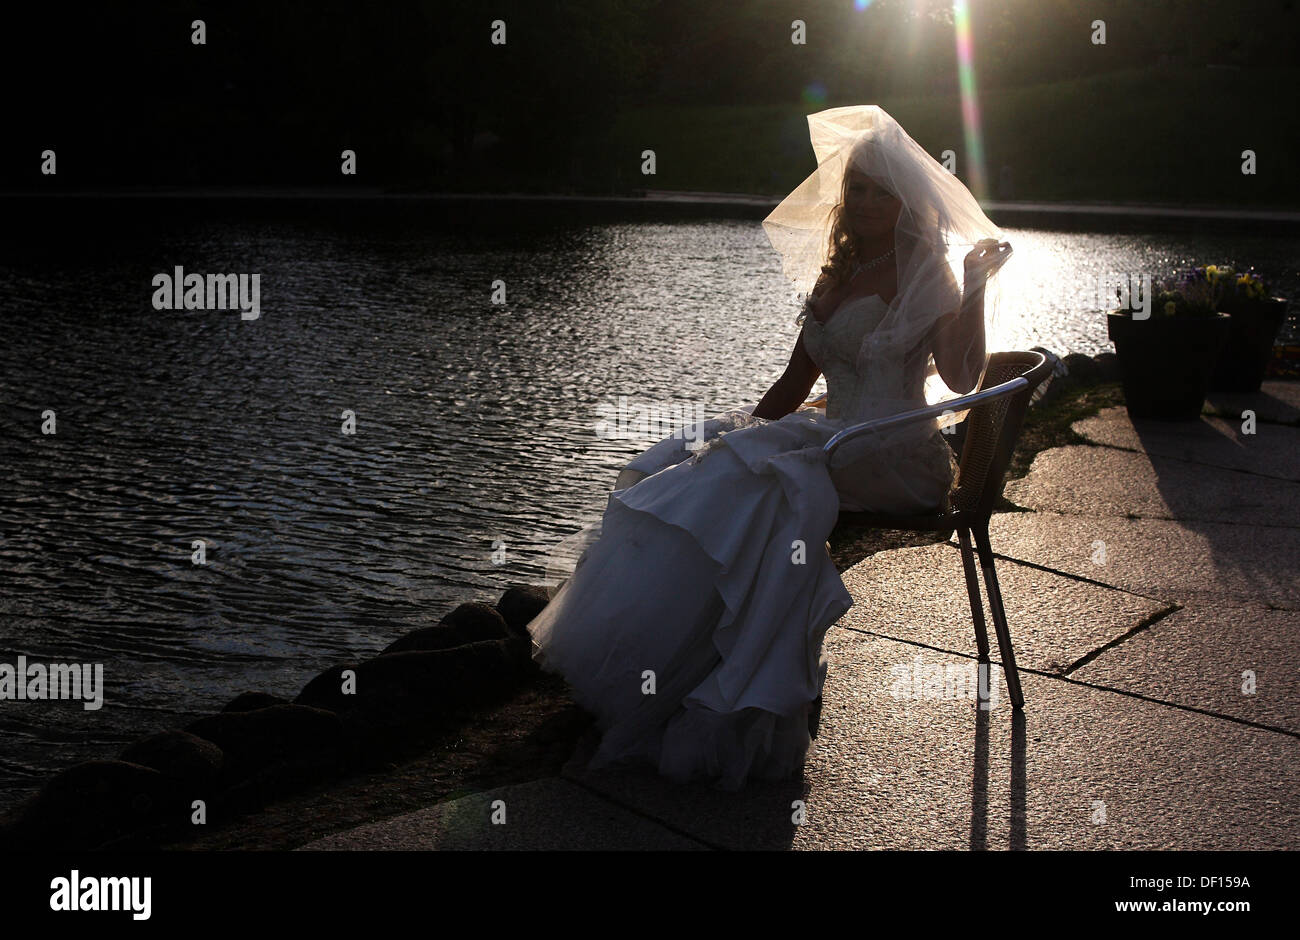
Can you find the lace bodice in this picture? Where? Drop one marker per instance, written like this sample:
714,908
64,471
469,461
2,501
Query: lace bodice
908,477
834,347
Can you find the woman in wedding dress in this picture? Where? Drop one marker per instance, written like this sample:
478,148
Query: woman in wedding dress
692,624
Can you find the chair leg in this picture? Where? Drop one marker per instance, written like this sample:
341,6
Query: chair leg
973,590
999,615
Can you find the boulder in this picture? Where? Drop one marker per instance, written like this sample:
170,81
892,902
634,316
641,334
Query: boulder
477,616
520,604
400,688
179,755
468,623
279,739
1081,370
1107,367
251,701
96,802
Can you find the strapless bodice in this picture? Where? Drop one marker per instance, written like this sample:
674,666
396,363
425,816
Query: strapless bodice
834,347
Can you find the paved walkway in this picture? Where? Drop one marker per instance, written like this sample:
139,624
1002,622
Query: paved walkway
1152,591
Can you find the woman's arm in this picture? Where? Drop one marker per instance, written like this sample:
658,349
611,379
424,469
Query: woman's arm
790,390
959,341
959,337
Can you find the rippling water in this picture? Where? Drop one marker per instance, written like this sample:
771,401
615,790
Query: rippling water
476,445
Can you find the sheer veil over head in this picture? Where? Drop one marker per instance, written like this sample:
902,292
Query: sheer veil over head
938,224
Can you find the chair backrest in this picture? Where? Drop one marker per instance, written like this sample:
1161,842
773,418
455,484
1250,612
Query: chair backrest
992,429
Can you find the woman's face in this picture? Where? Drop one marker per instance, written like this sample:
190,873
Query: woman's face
870,210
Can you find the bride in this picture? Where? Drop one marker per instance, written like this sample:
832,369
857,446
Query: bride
692,624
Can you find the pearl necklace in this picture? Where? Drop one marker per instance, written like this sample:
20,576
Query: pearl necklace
859,268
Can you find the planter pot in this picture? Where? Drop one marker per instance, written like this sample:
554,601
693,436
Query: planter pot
1249,346
1165,363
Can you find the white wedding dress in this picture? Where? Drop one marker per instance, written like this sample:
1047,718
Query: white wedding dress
710,584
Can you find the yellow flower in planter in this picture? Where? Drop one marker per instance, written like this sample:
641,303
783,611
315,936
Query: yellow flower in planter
1214,274
1252,288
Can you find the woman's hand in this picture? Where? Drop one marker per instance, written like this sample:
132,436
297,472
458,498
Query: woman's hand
986,257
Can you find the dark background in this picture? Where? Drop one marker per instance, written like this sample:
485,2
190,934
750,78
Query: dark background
582,86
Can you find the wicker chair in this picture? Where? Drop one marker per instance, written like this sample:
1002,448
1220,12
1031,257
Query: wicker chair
997,409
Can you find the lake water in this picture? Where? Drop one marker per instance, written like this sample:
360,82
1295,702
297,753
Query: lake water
477,444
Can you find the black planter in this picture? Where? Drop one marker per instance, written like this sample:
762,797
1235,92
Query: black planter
1165,363
1249,346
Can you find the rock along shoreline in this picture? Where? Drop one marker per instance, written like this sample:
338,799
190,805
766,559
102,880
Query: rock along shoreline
259,748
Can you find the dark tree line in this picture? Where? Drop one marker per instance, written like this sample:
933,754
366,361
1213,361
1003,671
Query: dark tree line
417,89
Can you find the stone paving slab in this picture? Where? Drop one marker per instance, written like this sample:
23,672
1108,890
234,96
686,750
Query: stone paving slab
1277,400
919,595
541,815
1213,563
1084,769
1104,481
1272,450
1199,657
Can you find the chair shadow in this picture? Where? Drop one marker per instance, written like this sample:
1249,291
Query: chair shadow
1018,836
